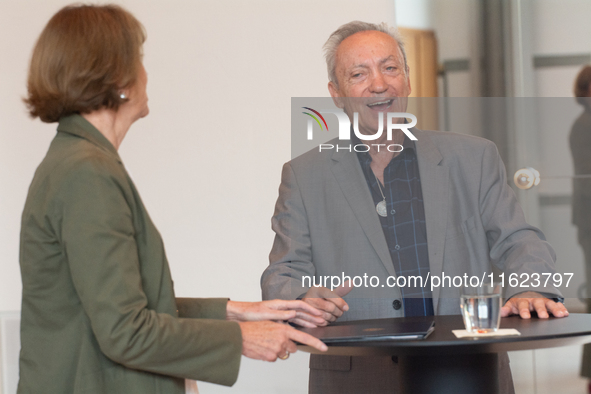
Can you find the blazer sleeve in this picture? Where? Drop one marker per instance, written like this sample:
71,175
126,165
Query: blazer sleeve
202,308
95,225
516,247
291,255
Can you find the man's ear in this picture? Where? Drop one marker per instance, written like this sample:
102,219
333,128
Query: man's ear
336,97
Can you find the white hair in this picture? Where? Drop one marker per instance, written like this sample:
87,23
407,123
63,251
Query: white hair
348,29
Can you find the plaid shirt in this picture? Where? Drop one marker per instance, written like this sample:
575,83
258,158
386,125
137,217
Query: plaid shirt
404,227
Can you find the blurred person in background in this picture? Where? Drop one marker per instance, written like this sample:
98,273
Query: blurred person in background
580,147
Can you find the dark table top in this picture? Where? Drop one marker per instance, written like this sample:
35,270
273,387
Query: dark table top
535,334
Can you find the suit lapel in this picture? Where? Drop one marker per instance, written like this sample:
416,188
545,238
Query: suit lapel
434,184
349,176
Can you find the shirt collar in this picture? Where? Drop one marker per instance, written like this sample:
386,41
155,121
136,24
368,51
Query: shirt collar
77,125
364,157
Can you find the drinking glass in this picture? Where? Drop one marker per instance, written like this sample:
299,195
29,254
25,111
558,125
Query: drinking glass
481,308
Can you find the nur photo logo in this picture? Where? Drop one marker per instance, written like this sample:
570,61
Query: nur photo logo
392,120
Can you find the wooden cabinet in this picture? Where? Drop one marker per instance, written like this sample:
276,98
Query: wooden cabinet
421,55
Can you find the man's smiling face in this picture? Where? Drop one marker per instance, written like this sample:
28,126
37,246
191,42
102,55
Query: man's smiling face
371,77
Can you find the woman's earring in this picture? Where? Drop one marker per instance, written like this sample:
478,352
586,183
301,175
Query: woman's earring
123,96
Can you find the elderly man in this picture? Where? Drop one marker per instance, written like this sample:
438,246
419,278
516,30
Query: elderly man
440,206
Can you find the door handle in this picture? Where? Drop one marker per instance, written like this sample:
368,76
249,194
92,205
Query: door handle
526,178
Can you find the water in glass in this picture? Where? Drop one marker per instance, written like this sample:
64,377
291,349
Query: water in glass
482,313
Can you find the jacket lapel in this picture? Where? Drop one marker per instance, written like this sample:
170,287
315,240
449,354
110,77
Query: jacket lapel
434,184
349,176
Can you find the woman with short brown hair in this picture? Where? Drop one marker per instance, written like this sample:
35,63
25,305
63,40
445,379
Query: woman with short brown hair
99,314
82,61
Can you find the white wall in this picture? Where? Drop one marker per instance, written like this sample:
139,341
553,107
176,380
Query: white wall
416,14
207,160
9,350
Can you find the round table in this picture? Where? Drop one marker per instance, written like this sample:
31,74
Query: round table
443,364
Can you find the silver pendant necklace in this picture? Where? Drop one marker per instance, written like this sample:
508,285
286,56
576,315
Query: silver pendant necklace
381,207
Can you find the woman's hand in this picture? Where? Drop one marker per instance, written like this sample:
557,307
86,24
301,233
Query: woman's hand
297,312
266,340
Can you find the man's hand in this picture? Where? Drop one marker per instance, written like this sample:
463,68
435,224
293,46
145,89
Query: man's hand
267,340
297,312
525,303
329,302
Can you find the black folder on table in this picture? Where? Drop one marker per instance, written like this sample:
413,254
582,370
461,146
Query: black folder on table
392,329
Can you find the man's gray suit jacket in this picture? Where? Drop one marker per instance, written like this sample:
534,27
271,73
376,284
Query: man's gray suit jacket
326,224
